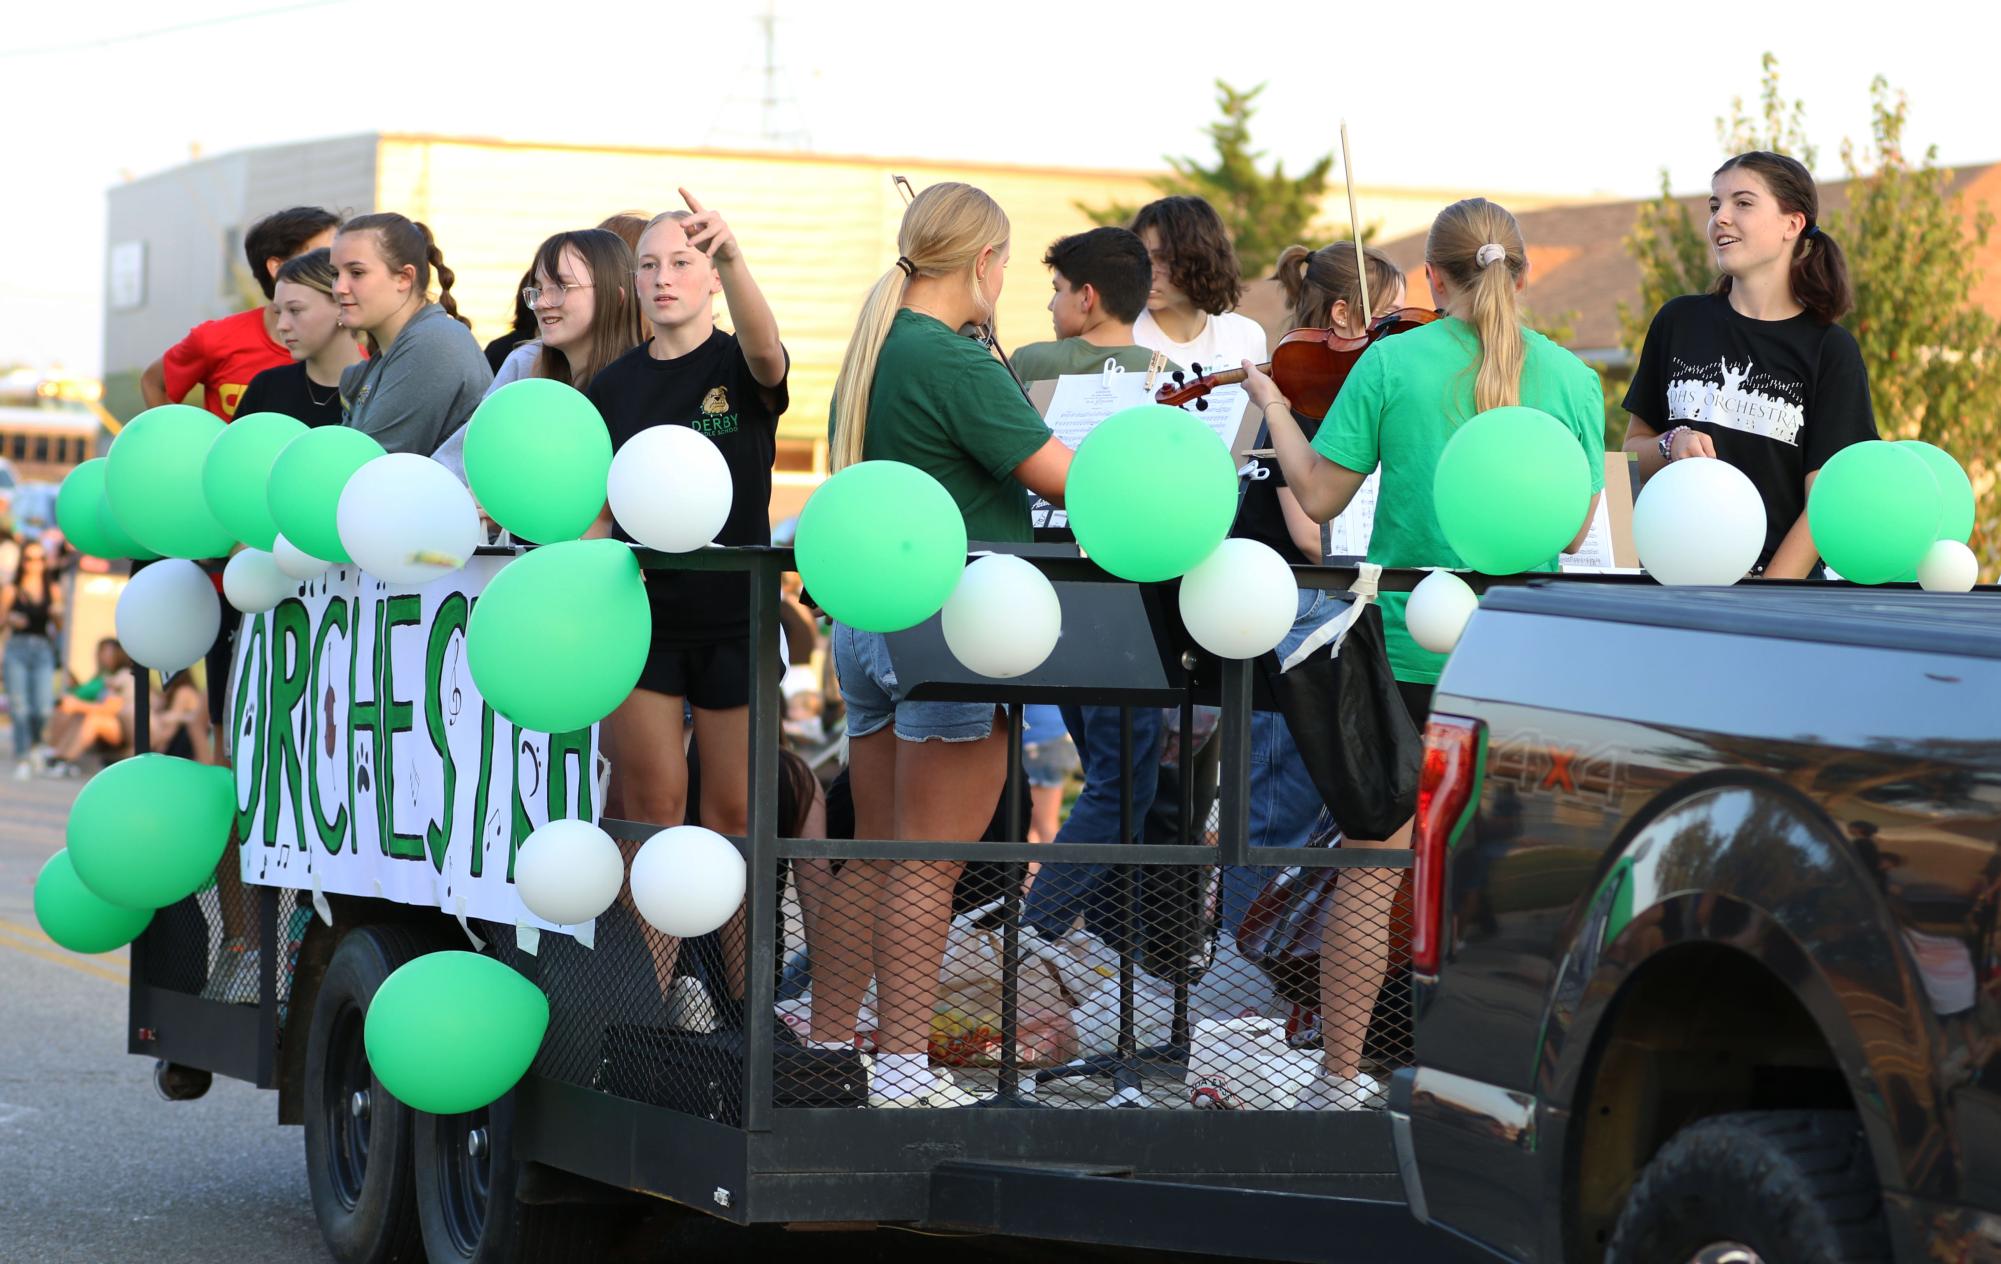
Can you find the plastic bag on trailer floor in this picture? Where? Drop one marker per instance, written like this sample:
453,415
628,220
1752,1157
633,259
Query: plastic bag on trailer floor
1246,1063
1088,969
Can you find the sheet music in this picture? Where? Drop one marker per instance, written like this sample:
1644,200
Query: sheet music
1348,535
1083,400
1594,556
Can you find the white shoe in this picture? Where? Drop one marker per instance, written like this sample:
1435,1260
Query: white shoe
23,771
1359,1091
942,1094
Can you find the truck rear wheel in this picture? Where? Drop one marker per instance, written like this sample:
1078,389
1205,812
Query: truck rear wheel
358,1139
1772,1185
469,1204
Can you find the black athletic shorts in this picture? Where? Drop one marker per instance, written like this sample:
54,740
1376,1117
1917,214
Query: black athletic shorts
714,676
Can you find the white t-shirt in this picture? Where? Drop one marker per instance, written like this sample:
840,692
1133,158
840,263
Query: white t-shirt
1225,342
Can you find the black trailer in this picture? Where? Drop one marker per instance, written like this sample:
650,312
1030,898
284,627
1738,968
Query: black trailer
743,1128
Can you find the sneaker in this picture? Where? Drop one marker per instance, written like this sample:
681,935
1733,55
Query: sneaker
1343,1092
57,768
23,770
943,1094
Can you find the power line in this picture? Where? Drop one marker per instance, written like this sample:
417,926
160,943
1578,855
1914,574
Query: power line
8,54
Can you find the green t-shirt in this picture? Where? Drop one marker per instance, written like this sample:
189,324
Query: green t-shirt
940,402
1401,403
1041,361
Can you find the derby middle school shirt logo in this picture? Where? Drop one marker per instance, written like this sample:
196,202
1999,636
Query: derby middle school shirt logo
1736,397
716,418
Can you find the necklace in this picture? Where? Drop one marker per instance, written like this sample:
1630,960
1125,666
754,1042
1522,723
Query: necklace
332,394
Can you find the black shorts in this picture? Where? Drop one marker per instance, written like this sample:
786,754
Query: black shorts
714,676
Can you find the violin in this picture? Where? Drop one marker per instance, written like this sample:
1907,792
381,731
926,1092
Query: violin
1308,365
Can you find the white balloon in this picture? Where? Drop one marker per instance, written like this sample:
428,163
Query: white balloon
296,562
1003,619
687,880
168,615
1438,609
1948,566
1240,601
568,872
669,487
1699,521
406,519
253,583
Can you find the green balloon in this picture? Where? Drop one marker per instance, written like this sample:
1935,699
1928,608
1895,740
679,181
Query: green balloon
1511,489
881,545
303,492
1874,510
537,455
153,475
237,471
1151,493
560,635
453,1031
81,513
116,535
1955,520
78,920
149,830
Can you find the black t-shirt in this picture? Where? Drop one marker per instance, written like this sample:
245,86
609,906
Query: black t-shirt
500,348
286,389
1776,397
1259,515
711,390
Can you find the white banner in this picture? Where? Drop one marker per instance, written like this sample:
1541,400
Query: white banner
366,762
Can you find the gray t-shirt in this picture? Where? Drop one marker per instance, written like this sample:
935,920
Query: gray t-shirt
1041,361
421,388
519,363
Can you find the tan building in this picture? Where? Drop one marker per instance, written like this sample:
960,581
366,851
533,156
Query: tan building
817,230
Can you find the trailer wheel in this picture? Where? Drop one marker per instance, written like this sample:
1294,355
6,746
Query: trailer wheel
1773,1185
358,1137
468,1202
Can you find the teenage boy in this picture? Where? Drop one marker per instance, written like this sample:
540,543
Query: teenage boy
221,356
1100,279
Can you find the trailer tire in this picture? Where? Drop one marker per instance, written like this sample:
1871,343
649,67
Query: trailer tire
468,1203
1786,1184
358,1138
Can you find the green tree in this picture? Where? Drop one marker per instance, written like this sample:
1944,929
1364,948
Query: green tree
1931,350
1265,211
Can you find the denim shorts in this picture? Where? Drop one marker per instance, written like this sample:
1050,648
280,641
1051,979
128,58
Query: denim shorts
868,686
1049,763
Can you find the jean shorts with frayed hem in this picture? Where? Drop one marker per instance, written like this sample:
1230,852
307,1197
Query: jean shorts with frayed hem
868,686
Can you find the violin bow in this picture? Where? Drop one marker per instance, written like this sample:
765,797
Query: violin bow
1355,225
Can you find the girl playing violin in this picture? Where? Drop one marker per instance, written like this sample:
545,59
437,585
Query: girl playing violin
1398,407
1196,284
1756,372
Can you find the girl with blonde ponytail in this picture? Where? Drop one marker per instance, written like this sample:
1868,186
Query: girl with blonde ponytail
1399,406
913,389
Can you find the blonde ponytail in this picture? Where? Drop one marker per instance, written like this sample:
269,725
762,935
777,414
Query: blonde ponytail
1458,247
944,230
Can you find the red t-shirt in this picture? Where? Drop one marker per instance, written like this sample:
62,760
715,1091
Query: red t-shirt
221,356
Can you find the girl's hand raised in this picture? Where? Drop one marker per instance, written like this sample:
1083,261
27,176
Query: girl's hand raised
1263,391
707,231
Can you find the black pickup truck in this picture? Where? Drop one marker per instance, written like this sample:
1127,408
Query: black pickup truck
1707,955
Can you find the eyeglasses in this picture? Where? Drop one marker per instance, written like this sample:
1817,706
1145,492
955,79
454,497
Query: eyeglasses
533,294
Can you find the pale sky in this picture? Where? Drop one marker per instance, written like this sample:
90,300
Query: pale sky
1557,97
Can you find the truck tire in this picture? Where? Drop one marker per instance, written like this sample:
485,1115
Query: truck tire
1786,1184
468,1204
358,1140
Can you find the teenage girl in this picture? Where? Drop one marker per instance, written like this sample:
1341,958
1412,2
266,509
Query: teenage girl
425,373
913,389
308,325
1756,372
1190,308
1400,404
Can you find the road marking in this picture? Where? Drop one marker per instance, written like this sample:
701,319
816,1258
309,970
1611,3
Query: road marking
77,962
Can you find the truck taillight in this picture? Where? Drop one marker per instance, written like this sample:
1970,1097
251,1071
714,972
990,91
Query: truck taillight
1444,792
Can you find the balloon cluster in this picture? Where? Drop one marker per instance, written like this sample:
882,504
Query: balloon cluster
1881,511
1151,493
145,833
453,1031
